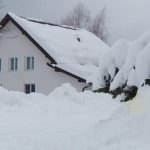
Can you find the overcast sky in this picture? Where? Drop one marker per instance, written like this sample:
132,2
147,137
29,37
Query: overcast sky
125,18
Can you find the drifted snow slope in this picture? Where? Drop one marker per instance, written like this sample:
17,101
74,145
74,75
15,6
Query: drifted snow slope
69,120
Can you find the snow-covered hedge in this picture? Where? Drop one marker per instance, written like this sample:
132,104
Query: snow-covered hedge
125,68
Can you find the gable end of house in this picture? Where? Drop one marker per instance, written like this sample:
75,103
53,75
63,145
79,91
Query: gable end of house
8,18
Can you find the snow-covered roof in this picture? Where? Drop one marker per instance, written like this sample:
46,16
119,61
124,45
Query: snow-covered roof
74,50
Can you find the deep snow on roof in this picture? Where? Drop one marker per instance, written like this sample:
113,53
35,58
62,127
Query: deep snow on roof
73,49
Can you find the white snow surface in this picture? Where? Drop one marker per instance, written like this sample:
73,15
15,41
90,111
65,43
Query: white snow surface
66,119
131,58
63,45
114,58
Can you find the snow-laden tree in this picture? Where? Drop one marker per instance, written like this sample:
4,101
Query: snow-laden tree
98,25
127,66
80,17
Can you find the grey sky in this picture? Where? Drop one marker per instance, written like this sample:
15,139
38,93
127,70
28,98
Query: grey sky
125,18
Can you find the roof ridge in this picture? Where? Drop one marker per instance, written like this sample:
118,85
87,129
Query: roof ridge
43,22
48,23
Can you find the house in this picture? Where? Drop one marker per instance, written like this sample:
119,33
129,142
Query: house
36,56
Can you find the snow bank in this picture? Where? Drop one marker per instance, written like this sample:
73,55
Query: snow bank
36,121
66,119
126,129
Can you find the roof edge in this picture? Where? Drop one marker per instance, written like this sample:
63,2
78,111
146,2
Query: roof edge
8,18
57,69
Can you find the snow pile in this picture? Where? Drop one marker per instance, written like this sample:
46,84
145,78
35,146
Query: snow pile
125,130
73,49
128,63
68,120
31,122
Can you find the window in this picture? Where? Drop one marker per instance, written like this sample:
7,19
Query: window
29,88
29,63
13,64
0,65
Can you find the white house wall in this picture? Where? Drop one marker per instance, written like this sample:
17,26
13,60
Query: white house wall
14,44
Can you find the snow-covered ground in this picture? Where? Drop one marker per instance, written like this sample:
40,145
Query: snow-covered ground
67,120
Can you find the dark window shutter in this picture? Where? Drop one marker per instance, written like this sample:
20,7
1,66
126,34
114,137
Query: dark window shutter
33,88
28,62
12,63
32,62
27,88
0,64
16,63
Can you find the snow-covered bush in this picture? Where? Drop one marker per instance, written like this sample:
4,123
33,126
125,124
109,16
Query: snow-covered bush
125,68
109,65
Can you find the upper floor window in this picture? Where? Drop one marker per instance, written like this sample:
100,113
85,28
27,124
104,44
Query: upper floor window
29,63
13,64
0,65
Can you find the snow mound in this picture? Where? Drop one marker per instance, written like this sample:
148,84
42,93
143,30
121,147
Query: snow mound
36,121
66,119
126,129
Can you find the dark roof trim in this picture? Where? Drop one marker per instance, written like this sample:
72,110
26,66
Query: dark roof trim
8,18
57,69
51,24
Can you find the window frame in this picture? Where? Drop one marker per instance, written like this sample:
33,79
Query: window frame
13,67
29,63
0,64
31,88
